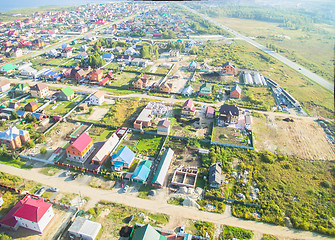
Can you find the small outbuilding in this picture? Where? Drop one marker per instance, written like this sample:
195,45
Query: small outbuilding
84,229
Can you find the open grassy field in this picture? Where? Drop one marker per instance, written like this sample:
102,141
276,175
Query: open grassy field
123,113
317,100
63,107
229,135
256,97
123,79
312,50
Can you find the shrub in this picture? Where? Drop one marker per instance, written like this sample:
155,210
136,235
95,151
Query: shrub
43,150
325,184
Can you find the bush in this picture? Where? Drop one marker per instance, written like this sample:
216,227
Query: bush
43,150
325,184
268,157
234,232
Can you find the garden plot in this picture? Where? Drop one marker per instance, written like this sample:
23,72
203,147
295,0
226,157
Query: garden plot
143,145
100,134
230,135
62,107
197,127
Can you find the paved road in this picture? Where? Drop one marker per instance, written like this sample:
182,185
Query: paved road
314,77
157,206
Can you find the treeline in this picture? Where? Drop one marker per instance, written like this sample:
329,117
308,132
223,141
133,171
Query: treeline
287,18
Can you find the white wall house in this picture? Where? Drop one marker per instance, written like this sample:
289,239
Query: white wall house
34,214
96,99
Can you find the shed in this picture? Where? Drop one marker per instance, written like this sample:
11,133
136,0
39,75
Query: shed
163,167
84,229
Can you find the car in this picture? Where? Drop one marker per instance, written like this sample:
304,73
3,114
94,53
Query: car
182,229
130,218
125,188
74,176
67,173
40,191
53,189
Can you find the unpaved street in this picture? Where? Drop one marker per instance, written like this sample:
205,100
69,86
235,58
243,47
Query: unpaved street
177,212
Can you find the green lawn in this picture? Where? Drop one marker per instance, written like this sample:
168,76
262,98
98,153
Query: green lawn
123,79
14,162
57,61
229,135
99,136
63,106
49,170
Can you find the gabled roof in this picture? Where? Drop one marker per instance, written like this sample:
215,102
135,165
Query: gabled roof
31,104
98,94
163,123
32,210
142,170
11,133
210,110
82,141
39,87
228,64
9,67
147,232
125,155
189,104
163,167
106,148
4,83
67,91
214,174
227,109
237,88
206,86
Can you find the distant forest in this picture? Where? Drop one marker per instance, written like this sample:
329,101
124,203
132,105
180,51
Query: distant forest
288,18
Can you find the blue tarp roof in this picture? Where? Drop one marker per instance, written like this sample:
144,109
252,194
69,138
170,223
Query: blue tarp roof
49,72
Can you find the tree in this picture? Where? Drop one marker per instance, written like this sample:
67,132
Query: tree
41,139
156,53
5,237
14,115
145,52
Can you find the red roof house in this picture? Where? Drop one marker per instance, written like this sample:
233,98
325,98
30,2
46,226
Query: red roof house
188,108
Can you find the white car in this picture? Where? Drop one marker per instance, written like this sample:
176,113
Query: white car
182,229
53,189
125,188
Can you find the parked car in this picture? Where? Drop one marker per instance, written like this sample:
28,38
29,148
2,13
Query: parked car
40,191
68,173
74,176
130,218
182,229
53,189
125,188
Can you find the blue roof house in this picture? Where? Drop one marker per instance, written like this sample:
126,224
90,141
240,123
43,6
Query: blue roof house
142,171
123,158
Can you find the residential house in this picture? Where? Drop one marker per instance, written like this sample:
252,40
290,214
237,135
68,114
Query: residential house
82,55
210,112
205,89
38,43
81,228
38,116
39,90
108,56
96,75
80,149
4,85
67,52
80,74
214,176
29,213
140,62
131,52
163,167
83,106
141,83
107,147
28,71
188,108
166,87
192,66
123,58
8,68
15,52
13,105
123,158
14,138
187,92
142,171
31,106
229,113
235,92
96,98
163,127
174,53
66,94
228,68
147,232
52,53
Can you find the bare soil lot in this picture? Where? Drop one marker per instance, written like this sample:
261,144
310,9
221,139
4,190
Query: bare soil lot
303,138
98,114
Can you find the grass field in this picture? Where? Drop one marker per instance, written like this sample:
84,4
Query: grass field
123,79
63,107
123,113
100,134
312,50
229,135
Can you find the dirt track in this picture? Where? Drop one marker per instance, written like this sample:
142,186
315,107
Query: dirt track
303,138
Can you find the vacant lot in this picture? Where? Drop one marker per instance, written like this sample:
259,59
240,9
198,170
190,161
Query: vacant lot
62,107
229,135
123,79
303,138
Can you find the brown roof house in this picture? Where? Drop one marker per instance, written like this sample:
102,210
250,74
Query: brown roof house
142,82
31,107
163,127
165,87
228,68
40,90
95,75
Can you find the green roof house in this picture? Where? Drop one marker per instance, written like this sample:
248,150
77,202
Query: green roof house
147,232
21,88
205,89
66,94
7,68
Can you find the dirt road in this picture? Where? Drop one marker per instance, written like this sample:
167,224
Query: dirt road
158,206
